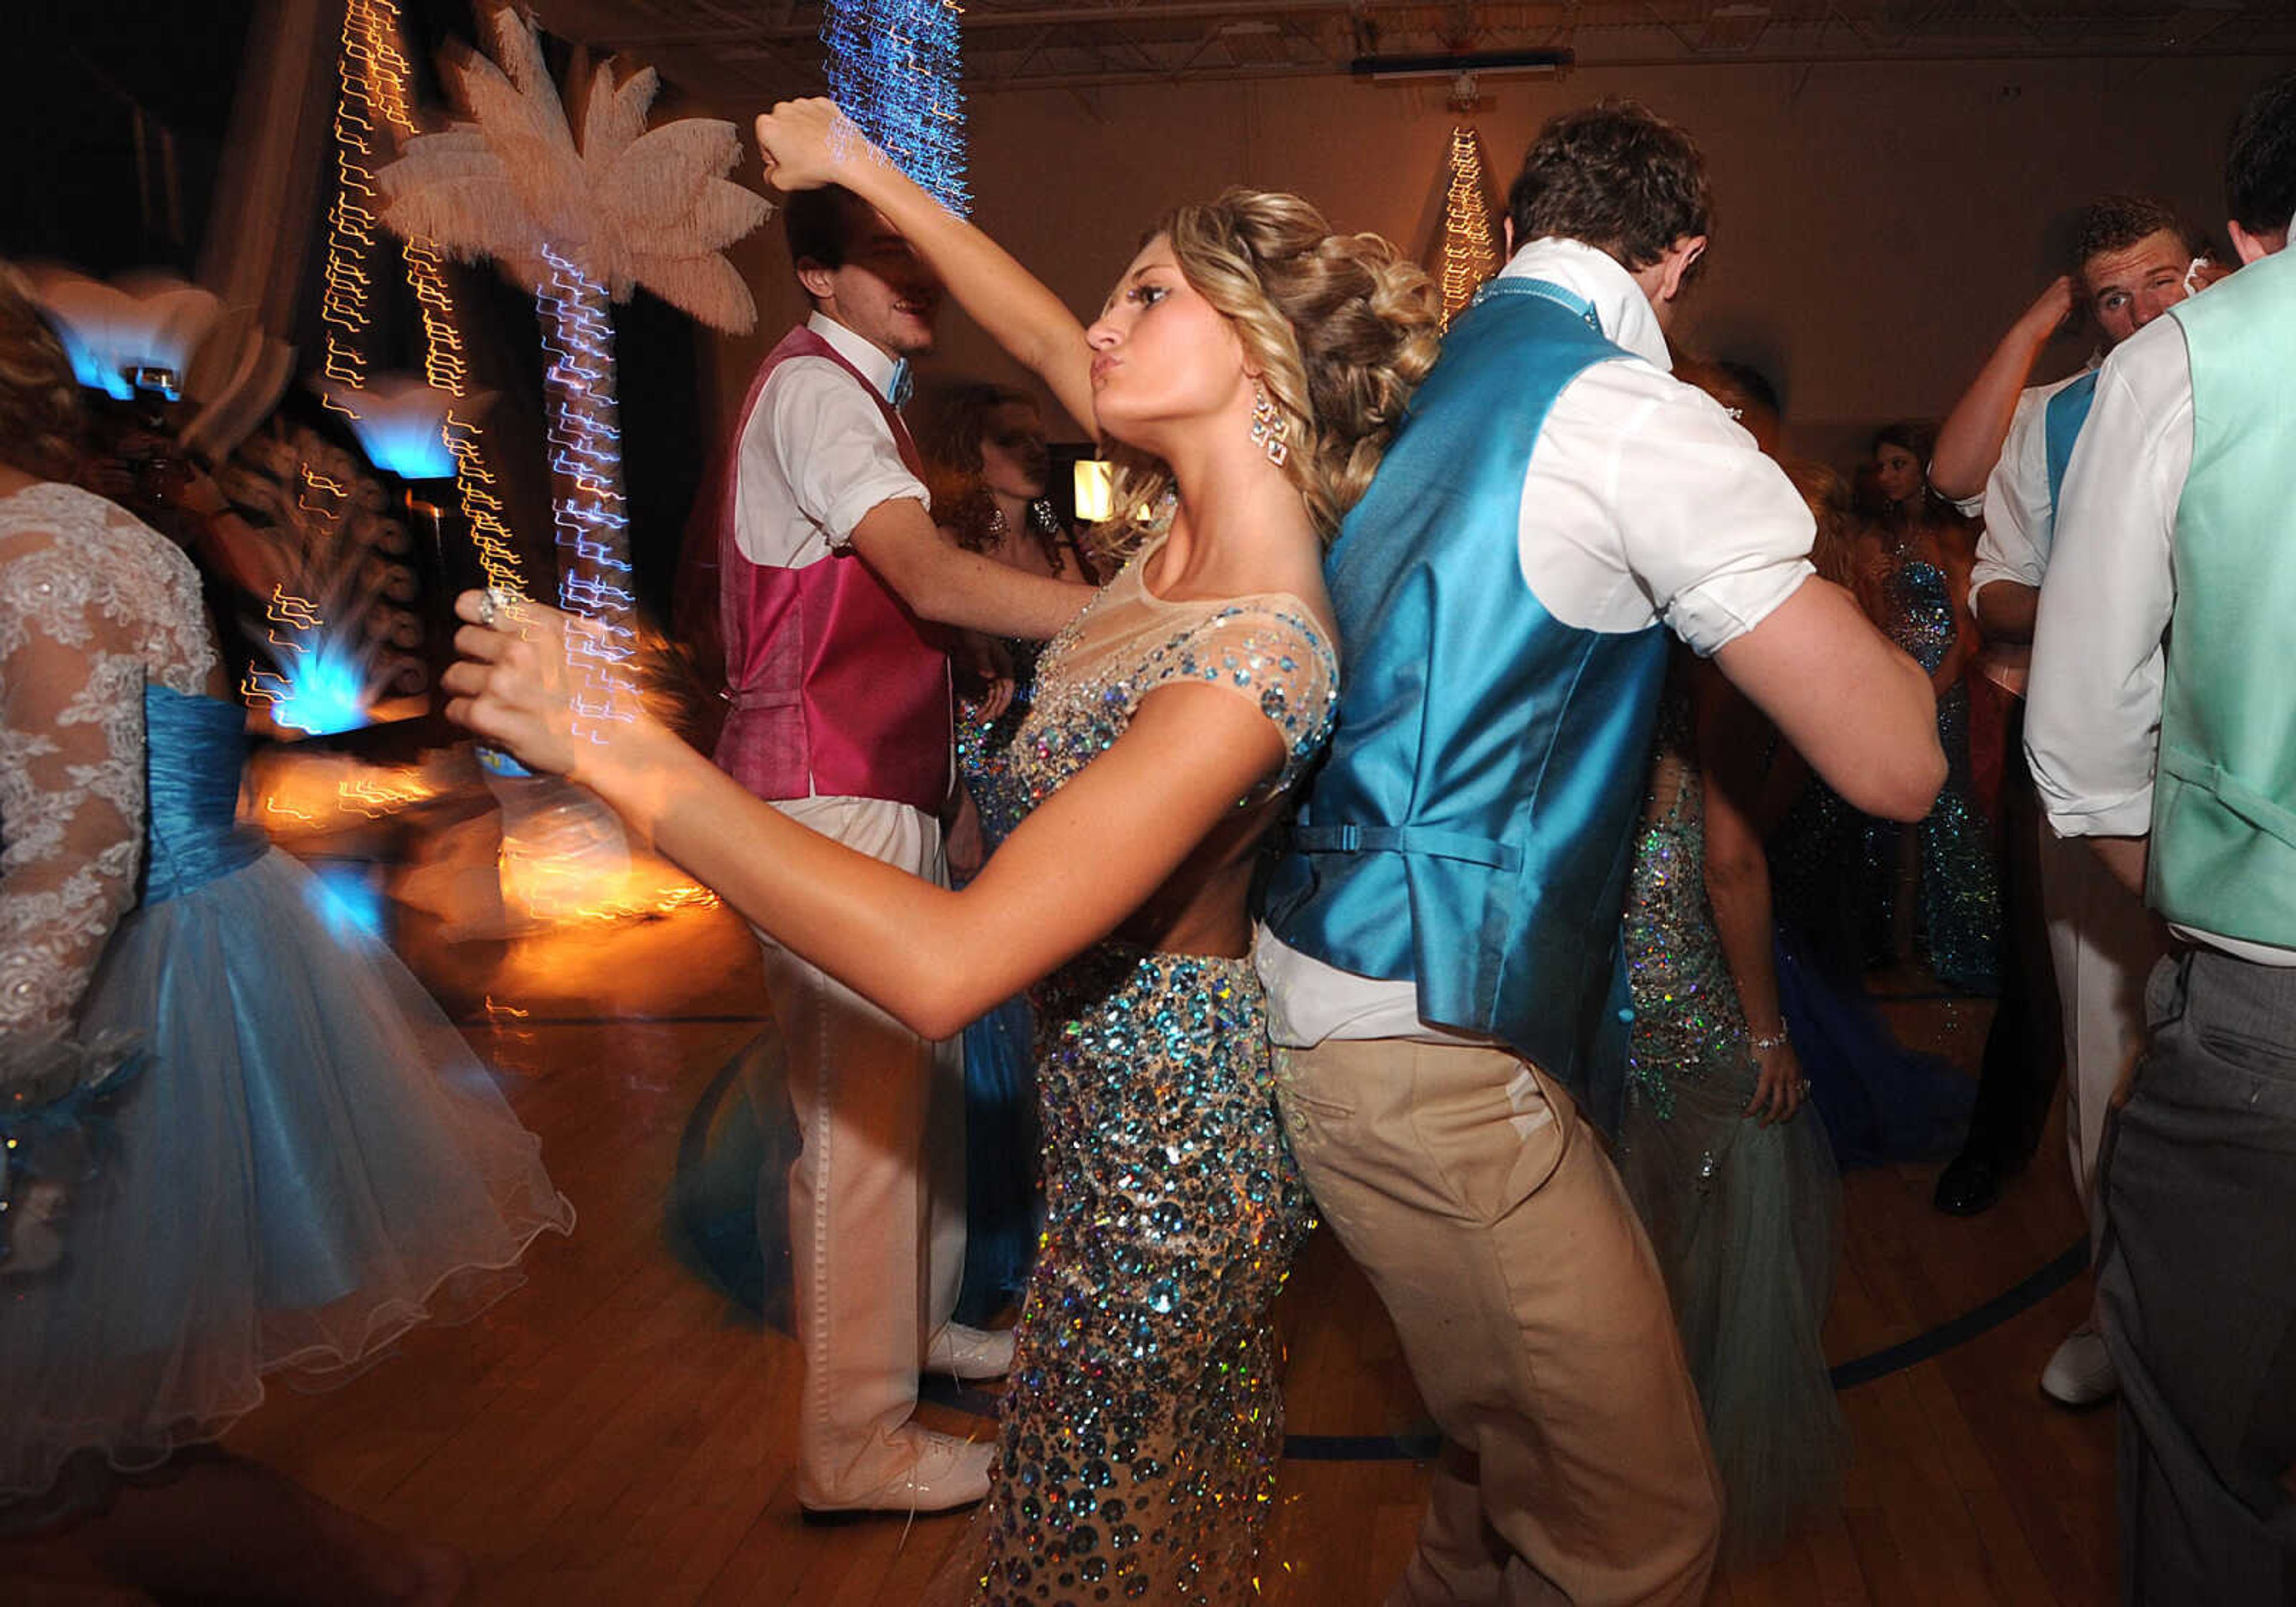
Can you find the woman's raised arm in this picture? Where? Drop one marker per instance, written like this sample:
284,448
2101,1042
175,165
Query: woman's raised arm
808,143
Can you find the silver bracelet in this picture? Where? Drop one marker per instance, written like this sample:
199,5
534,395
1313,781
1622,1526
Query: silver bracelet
1763,1043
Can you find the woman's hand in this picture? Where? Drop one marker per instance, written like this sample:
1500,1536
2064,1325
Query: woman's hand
513,685
1782,1087
808,143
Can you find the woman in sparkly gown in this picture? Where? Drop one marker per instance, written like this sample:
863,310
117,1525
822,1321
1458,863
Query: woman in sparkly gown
303,1160
1741,1198
987,466
1879,1101
1250,365
1923,562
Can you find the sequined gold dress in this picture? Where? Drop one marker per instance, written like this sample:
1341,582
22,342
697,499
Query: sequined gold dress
1139,1436
1743,1215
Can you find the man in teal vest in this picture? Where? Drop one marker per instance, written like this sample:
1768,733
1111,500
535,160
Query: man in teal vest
2070,928
1441,943
2163,726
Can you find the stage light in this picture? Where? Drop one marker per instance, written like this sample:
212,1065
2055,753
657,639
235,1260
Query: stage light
1094,488
138,332
401,425
324,694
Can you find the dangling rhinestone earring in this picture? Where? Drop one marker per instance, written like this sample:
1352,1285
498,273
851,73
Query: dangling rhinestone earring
1268,426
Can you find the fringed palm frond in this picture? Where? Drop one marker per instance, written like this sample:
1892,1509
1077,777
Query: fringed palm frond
614,117
628,206
706,288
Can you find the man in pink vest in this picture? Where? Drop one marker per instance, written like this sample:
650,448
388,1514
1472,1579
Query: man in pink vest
832,579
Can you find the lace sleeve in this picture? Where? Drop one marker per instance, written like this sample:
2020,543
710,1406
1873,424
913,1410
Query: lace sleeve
71,777
1277,657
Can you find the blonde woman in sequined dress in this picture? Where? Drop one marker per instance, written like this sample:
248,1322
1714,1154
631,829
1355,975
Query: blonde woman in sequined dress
1250,365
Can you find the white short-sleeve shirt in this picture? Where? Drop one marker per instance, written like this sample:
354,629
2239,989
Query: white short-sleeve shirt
816,455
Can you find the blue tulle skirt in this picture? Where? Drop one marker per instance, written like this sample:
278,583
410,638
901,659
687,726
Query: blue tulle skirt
309,1162
1879,1101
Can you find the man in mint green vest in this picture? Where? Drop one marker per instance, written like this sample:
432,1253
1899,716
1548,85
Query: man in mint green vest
2163,726
1440,947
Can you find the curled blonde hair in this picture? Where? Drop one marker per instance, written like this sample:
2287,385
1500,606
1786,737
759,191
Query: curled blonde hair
1341,328
41,417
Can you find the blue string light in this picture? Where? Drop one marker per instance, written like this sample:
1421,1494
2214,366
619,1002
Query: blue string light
586,453
896,68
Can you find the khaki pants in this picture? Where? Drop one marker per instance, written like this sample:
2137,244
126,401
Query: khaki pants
1533,1315
876,1199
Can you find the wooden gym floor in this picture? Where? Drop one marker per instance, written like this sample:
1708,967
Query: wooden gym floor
615,1433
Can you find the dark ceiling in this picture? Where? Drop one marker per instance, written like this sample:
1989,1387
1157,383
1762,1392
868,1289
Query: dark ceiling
741,52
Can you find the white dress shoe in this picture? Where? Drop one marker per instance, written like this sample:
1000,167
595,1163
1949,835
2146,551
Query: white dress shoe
2081,1373
948,1473
970,1353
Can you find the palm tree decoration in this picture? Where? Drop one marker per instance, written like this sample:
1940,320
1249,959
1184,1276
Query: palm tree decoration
580,219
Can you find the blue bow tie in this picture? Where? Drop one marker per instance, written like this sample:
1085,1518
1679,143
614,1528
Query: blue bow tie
902,383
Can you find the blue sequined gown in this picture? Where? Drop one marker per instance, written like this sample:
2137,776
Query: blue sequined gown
1744,1217
309,1161
1960,886
1001,1196
1138,1440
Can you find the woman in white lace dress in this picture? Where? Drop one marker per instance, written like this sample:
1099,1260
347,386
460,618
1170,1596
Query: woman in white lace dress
236,1145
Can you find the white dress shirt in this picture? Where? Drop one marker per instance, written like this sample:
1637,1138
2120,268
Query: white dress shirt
816,455
1643,502
2020,523
2093,714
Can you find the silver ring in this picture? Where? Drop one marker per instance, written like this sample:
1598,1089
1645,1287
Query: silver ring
487,609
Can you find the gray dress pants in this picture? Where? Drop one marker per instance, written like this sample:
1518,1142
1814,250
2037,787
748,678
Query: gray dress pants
2198,1288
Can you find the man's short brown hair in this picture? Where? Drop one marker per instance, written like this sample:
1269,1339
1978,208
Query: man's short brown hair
1616,175
2114,223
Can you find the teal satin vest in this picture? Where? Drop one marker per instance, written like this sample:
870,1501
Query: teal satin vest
1471,827
2224,796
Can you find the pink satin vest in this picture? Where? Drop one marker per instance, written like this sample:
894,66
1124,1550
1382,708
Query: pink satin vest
836,688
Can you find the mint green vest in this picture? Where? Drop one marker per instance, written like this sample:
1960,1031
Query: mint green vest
2224,802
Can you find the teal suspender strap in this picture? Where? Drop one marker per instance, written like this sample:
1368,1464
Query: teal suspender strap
2068,411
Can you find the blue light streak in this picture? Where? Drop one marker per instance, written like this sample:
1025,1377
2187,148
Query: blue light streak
897,68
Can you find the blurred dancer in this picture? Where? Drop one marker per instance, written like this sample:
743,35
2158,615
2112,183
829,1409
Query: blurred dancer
829,566
302,1161
987,466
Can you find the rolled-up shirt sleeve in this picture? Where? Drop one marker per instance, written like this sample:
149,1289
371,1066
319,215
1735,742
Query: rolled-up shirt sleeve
1713,530
2093,713
2015,542
834,449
